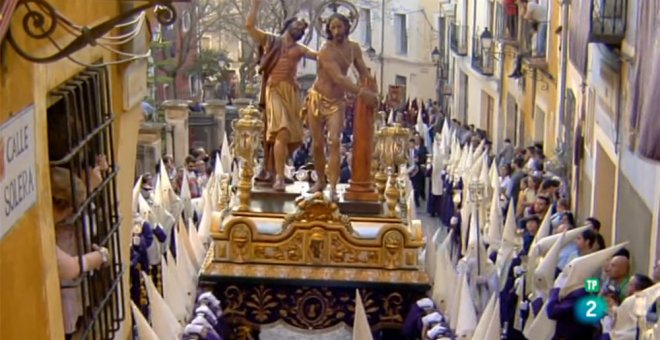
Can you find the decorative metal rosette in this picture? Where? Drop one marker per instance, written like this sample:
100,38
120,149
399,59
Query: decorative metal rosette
328,8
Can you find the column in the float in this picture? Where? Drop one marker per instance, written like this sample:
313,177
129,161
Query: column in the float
361,187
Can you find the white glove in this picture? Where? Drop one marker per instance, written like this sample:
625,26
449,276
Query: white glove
432,318
201,321
210,298
425,303
193,330
206,312
518,271
524,306
435,331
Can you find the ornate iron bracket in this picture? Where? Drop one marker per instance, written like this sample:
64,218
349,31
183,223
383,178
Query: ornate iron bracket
42,19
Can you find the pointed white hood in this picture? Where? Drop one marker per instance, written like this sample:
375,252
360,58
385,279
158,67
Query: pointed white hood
494,176
532,260
509,236
467,315
226,156
204,231
544,274
163,321
186,197
445,279
135,194
543,245
196,243
185,269
495,325
430,254
172,289
495,223
482,327
583,267
625,325
144,330
361,328
542,327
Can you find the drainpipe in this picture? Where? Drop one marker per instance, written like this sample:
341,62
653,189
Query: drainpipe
503,97
565,5
534,80
474,23
576,166
382,47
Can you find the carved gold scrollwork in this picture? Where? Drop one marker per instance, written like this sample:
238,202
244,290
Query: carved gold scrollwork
392,306
312,249
261,303
289,251
235,300
343,253
317,208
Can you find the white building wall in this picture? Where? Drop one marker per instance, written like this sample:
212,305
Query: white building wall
477,83
416,65
643,175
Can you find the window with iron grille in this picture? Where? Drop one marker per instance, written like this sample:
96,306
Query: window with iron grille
80,137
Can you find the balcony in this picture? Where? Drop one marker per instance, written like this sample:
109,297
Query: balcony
458,39
608,21
482,55
444,70
508,22
534,42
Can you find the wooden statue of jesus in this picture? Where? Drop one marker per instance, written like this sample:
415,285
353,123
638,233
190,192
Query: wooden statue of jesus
325,101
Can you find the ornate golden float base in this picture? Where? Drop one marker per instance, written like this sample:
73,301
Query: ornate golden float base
249,305
303,267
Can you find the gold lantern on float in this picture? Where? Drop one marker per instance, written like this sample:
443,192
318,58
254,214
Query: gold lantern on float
393,154
246,139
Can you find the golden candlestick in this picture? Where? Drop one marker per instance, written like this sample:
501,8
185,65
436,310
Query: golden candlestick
392,194
246,139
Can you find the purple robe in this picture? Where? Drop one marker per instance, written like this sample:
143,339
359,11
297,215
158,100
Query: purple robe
412,326
562,311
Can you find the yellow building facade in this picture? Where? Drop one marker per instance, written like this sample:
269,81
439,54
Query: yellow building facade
592,138
30,306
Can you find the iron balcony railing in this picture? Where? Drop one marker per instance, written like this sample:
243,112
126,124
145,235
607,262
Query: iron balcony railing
608,21
482,58
533,38
458,39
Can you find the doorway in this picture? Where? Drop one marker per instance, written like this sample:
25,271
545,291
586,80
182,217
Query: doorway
604,192
463,101
511,119
539,125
